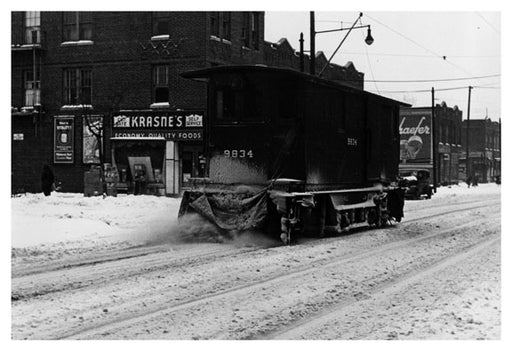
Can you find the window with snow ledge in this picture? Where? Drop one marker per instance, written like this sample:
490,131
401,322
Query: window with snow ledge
76,107
160,105
222,40
161,37
77,43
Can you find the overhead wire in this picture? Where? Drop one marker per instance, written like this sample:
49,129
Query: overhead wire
435,80
438,89
419,55
443,57
488,23
369,63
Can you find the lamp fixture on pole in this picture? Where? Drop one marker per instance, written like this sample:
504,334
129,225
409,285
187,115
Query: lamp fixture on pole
368,40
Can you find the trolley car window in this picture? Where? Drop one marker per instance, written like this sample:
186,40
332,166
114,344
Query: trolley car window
238,103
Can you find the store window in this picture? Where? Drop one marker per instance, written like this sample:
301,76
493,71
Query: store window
77,26
32,26
161,83
77,86
161,23
32,88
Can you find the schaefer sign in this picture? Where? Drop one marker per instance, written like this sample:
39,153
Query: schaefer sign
171,125
415,136
63,141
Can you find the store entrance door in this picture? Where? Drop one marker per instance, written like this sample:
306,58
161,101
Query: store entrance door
193,163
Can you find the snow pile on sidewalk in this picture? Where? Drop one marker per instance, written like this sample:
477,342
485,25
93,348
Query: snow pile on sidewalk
65,218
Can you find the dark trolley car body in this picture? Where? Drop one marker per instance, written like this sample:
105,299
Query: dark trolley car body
288,152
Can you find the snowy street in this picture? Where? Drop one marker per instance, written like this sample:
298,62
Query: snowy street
123,268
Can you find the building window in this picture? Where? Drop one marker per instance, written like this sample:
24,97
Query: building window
246,39
214,24
32,89
251,30
32,25
77,86
220,25
226,25
255,30
161,83
161,23
77,26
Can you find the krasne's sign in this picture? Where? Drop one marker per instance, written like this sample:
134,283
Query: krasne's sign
63,147
171,125
156,120
415,136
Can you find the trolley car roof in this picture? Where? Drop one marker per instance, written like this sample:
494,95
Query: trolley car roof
204,74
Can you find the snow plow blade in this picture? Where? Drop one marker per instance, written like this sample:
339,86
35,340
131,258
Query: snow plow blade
228,210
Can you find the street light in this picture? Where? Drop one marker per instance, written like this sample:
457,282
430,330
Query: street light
368,40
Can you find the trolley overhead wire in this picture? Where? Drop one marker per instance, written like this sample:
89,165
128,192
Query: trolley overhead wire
488,23
434,80
443,57
369,63
437,89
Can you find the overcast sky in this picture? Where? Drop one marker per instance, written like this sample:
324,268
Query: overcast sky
411,46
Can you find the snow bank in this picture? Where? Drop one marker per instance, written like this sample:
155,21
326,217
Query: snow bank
65,217
462,189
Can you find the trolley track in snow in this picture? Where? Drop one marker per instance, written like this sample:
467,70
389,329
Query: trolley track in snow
113,325
301,327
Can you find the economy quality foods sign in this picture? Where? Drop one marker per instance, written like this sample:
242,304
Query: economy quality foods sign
415,136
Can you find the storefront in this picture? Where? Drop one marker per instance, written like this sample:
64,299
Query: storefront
157,152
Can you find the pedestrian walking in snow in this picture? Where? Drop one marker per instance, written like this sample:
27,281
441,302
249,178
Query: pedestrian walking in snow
47,180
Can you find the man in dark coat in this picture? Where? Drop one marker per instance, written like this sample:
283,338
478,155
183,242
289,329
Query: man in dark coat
47,180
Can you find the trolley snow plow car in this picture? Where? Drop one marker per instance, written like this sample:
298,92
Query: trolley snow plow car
288,154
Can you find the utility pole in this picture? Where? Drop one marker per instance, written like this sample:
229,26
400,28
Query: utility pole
301,41
434,144
312,43
467,134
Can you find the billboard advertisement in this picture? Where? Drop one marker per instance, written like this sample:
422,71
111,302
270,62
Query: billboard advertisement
415,136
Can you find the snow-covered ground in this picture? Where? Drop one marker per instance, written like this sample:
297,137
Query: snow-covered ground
122,268
72,219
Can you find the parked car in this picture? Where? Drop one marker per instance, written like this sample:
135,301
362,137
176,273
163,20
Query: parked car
417,183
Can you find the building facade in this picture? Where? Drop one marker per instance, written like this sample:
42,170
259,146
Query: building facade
418,147
484,150
105,87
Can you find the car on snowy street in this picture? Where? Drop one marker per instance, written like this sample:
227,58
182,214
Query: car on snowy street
417,183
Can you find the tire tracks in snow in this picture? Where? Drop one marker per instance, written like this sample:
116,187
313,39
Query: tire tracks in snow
300,328
38,281
112,325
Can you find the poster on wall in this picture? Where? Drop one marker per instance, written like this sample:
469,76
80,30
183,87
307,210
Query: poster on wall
63,147
92,126
415,136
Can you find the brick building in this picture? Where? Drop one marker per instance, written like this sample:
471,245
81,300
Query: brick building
484,150
77,73
416,140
